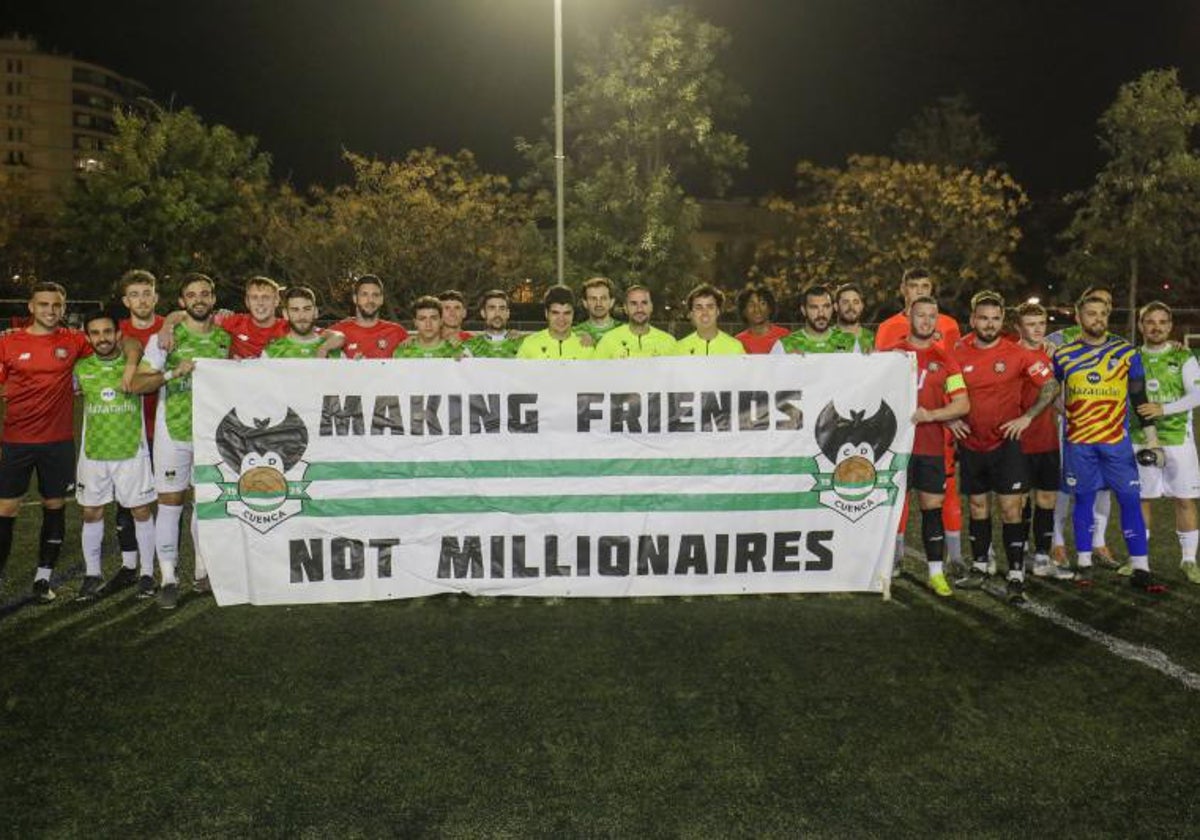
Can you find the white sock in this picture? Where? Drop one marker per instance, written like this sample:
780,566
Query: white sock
1141,561
166,540
935,569
201,570
1062,509
93,547
144,531
1100,518
42,573
1016,574
1188,541
129,559
954,546
1084,559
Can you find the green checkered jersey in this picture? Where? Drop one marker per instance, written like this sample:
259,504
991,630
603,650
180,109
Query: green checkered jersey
484,346
834,341
175,397
410,349
290,347
596,331
112,419
865,340
1169,373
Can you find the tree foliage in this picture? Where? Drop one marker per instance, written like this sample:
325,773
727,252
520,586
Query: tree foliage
429,222
1141,216
173,195
947,133
868,222
643,128
27,236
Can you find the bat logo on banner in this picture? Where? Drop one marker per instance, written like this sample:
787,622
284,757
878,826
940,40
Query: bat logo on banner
855,450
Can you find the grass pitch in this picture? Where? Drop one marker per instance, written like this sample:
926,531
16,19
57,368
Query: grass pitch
828,716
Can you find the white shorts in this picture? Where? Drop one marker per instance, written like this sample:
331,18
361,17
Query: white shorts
1179,479
130,482
172,464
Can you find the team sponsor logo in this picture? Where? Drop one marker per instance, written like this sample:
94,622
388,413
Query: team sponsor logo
1093,377
108,394
263,468
61,352
999,366
854,451
1152,385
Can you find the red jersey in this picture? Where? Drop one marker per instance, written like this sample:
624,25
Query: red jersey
142,334
374,342
249,338
995,376
895,329
1042,434
762,344
41,396
939,379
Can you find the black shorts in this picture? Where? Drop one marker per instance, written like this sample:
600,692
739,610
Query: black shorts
1045,470
927,473
1004,470
54,462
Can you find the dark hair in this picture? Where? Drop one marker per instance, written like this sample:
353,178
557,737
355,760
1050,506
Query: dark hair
427,302
846,288
916,272
100,315
986,298
814,291
195,277
490,294
706,290
1155,306
368,280
451,294
558,294
300,292
762,292
47,286
135,277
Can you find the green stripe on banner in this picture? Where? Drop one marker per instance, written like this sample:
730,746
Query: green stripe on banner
627,503
556,468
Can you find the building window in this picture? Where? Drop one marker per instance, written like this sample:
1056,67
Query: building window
15,65
15,88
16,158
16,135
92,100
15,112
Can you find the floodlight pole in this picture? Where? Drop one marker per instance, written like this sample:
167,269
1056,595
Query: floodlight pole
558,135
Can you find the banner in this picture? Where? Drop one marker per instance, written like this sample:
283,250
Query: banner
352,481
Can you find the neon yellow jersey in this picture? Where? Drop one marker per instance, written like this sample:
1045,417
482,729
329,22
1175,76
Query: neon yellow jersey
542,345
624,343
722,344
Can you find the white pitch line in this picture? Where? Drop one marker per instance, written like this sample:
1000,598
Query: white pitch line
1142,654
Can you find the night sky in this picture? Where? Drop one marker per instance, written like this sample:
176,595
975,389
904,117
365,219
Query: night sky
826,78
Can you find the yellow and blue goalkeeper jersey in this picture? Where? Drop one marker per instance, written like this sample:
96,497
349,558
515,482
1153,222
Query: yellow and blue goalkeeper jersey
1095,381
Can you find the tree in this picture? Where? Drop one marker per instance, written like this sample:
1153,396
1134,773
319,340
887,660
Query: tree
27,236
868,222
642,129
172,195
947,133
429,222
1142,214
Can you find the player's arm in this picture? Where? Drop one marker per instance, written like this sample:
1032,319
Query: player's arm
1190,399
332,342
1014,428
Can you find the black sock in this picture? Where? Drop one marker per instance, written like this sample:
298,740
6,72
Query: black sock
126,536
6,532
981,539
1013,534
1043,530
933,535
54,528
1026,514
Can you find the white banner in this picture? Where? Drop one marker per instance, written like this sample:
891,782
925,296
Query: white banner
353,481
